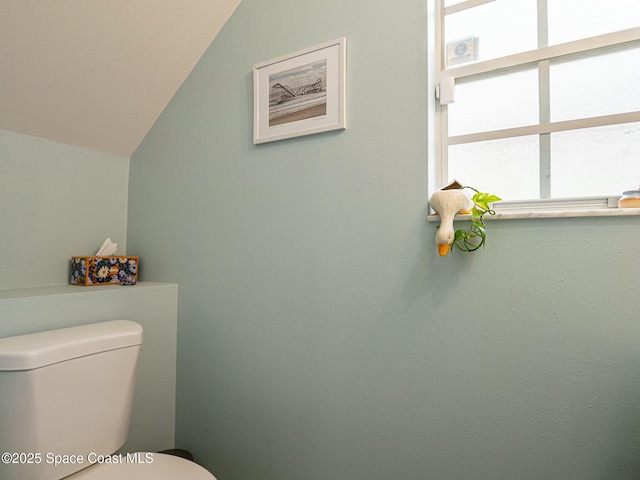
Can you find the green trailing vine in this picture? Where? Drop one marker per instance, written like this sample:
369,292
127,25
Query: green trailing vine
476,235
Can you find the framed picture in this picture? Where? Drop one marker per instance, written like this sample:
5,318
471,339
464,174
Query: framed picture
300,93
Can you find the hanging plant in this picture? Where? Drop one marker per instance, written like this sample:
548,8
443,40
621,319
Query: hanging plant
475,237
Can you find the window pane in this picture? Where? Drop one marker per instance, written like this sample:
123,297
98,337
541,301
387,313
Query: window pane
501,27
595,161
575,19
589,85
507,167
495,101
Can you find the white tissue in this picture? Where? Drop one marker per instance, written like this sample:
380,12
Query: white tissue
107,248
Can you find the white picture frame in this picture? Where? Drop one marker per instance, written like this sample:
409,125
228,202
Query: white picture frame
301,93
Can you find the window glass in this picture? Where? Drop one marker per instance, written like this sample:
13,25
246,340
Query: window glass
595,161
576,93
500,28
599,83
507,167
495,101
576,19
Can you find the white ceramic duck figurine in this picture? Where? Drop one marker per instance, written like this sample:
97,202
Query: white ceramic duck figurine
447,203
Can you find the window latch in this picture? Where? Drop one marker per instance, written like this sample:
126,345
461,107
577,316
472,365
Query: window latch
446,89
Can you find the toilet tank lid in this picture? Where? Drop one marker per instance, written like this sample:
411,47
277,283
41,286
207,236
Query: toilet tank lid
35,350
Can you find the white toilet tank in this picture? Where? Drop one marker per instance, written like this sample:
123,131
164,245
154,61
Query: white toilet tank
65,397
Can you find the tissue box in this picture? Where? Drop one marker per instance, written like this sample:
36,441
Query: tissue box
96,270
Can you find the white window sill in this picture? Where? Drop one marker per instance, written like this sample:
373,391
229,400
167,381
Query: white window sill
512,215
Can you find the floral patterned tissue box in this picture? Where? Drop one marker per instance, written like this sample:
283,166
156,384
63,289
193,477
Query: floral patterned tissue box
89,271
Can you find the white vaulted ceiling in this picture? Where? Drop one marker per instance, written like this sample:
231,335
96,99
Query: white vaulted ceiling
97,73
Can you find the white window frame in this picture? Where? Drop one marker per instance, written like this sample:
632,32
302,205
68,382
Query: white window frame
442,83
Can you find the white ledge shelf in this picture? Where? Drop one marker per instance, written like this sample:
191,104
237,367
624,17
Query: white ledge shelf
65,289
513,215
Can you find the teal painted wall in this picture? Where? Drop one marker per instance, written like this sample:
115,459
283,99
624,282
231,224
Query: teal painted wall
320,335
56,201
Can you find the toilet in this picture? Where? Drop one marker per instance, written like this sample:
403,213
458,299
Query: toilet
66,397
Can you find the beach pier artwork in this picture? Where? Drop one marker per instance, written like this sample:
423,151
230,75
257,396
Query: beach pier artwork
301,93
298,94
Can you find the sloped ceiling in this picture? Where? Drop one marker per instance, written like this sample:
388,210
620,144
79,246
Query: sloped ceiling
97,73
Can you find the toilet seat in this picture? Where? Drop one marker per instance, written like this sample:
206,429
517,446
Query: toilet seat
159,466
